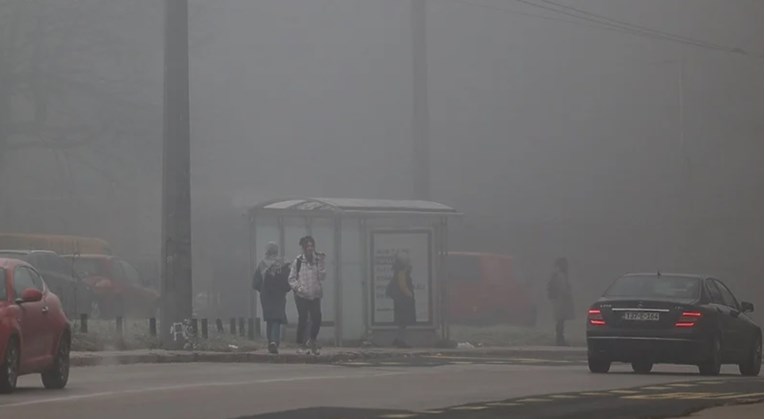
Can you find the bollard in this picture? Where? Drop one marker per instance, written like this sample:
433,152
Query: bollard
119,325
251,329
232,326
241,326
153,327
204,328
83,323
195,326
219,325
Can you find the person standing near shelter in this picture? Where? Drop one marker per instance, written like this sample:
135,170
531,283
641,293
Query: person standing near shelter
306,276
271,280
559,293
401,290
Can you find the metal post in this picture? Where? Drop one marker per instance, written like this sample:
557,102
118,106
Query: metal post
365,275
83,323
153,327
176,196
219,325
241,326
444,278
232,326
253,258
119,326
204,329
338,282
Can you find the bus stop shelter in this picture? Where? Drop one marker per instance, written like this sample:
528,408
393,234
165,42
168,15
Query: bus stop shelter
361,238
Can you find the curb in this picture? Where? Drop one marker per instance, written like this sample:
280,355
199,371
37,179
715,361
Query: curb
85,359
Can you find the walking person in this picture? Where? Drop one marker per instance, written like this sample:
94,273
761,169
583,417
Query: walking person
560,295
401,290
271,280
307,273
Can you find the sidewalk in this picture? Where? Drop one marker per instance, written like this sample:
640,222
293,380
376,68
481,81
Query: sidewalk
328,355
739,411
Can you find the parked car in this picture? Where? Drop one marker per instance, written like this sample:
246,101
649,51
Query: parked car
35,336
118,287
646,319
76,296
484,290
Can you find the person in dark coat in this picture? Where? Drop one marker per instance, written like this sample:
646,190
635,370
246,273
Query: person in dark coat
271,281
560,295
401,290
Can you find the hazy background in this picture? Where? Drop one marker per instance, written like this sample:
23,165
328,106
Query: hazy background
554,135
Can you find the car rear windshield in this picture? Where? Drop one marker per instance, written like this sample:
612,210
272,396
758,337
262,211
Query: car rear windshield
664,287
86,267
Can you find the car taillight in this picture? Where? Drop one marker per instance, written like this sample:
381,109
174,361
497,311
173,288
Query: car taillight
595,317
688,319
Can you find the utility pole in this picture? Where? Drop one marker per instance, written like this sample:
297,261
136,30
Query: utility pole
420,114
176,182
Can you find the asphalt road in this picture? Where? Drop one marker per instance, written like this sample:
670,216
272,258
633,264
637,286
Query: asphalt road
443,387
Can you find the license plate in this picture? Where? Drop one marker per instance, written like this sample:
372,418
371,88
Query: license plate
641,316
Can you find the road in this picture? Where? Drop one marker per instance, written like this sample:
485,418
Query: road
434,387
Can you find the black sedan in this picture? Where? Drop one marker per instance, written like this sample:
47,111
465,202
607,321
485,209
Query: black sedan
646,319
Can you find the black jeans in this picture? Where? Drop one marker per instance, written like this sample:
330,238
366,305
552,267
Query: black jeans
308,309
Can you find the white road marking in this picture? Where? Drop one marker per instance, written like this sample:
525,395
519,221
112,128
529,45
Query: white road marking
191,386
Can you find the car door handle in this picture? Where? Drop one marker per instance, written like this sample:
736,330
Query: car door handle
45,310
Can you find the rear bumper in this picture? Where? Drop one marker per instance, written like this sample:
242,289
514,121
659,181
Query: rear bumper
674,350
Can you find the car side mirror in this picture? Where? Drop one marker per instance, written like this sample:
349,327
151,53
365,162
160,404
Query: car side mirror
747,307
30,295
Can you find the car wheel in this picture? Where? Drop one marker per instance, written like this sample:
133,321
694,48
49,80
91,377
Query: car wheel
642,367
712,365
9,369
751,366
598,365
58,375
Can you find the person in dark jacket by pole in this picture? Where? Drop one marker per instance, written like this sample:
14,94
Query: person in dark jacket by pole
271,281
401,290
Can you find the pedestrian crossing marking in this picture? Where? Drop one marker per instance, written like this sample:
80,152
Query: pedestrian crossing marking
710,382
563,396
682,396
741,396
681,385
592,393
655,388
533,400
399,416
624,392
503,404
470,408
354,364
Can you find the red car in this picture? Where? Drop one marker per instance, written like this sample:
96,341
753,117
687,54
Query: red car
119,288
35,336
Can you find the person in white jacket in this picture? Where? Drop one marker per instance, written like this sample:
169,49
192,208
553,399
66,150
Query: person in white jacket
307,273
